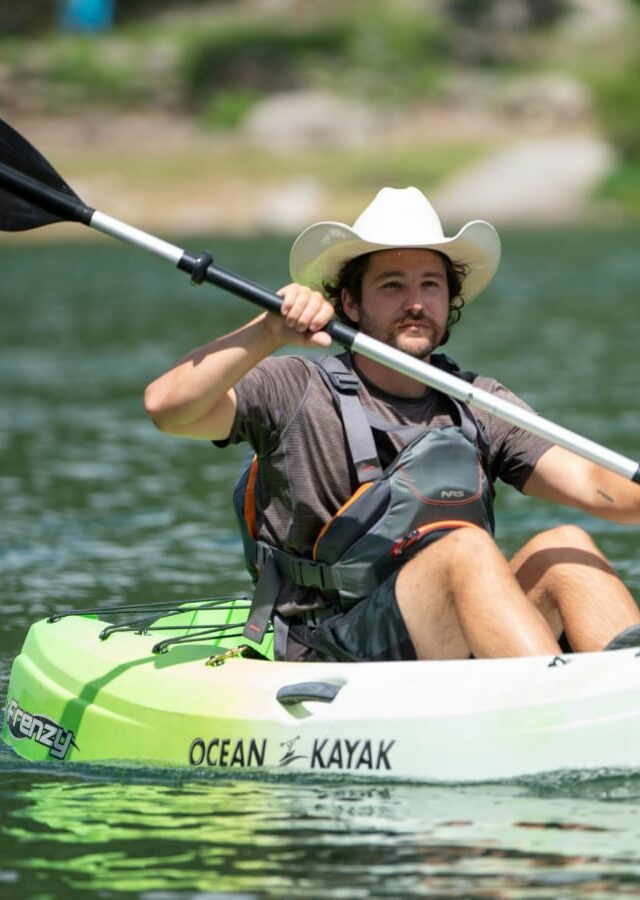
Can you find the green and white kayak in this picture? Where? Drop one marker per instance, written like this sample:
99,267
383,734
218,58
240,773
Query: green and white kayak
182,691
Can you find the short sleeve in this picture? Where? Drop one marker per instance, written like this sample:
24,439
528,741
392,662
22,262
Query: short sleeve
267,398
513,452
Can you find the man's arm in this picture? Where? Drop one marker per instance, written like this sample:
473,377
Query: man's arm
564,477
196,397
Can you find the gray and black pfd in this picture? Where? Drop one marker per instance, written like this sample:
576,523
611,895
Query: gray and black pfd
436,483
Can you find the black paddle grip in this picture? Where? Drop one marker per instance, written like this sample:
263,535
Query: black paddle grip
255,293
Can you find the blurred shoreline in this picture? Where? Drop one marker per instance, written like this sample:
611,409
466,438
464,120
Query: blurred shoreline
260,116
162,171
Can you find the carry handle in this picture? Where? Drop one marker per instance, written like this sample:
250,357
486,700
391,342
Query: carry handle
322,691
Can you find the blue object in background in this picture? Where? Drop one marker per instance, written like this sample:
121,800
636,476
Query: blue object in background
87,15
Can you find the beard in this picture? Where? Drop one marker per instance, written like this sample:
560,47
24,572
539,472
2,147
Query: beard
419,344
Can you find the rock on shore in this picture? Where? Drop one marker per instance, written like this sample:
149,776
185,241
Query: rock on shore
536,181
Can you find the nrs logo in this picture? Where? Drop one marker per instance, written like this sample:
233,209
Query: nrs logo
41,729
451,495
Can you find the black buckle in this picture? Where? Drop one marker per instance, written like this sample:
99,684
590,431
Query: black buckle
307,573
346,382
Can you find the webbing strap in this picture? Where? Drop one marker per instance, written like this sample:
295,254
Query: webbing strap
358,422
273,566
468,422
264,597
344,389
305,572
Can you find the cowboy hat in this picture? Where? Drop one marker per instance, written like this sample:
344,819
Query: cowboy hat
396,218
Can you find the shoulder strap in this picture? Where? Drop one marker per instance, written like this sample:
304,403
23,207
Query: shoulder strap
468,422
244,507
358,422
343,386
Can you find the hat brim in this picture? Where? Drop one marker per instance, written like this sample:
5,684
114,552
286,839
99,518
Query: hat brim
320,252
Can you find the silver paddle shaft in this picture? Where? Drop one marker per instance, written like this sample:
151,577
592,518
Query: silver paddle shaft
401,362
115,228
495,406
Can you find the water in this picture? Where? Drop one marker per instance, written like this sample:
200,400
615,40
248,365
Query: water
100,508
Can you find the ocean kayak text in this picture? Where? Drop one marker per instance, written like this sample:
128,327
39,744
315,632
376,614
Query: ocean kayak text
337,753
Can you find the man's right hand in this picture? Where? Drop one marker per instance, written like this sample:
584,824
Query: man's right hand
304,315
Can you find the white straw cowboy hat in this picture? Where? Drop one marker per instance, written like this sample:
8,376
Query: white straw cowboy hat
396,218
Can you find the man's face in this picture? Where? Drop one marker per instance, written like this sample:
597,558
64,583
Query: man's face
405,300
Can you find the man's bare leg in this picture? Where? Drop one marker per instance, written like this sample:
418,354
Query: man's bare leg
568,579
459,596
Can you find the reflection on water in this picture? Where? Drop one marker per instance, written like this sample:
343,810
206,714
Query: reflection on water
98,509
160,832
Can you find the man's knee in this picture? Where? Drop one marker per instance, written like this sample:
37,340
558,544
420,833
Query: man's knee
562,537
555,557
442,562
467,541
458,550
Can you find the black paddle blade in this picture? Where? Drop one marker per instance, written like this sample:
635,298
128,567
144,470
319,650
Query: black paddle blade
32,193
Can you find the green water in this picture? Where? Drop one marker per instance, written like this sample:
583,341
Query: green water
100,508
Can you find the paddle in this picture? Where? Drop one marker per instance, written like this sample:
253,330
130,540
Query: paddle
32,194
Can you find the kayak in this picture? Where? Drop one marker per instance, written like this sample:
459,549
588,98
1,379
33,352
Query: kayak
180,686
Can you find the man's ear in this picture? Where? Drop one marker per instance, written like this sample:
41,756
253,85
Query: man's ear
351,308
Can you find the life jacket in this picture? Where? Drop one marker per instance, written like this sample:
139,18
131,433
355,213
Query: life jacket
435,484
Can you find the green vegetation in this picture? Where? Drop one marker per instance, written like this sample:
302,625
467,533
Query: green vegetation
225,110
622,187
617,94
619,103
392,54
388,52
264,56
76,74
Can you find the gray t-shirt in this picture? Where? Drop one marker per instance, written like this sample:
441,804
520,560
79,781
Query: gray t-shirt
287,414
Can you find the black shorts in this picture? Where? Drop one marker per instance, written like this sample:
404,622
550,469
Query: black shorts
371,630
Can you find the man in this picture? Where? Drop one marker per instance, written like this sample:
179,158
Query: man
452,594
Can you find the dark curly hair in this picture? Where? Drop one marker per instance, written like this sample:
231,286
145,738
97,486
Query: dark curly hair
351,275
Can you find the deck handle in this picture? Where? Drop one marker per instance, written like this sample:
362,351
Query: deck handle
307,690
